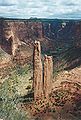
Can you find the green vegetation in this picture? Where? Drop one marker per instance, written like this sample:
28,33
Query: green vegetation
10,92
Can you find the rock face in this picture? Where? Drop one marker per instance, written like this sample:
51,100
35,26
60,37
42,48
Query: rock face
56,37
48,31
42,79
9,42
48,75
38,76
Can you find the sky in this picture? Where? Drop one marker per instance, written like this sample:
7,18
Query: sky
41,9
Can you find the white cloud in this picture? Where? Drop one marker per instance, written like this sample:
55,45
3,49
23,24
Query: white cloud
40,8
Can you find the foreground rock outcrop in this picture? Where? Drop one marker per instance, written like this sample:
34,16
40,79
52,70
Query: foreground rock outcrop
64,103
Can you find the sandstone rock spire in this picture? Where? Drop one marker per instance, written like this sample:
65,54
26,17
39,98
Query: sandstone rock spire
37,73
42,77
48,75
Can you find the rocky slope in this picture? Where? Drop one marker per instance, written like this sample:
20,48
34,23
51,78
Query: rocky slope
64,100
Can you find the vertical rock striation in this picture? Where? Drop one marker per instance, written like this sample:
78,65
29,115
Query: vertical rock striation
48,75
42,78
38,76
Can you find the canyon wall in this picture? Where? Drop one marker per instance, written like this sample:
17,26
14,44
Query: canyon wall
50,33
56,36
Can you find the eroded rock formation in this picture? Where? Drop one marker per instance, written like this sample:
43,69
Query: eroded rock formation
50,32
48,75
10,42
42,79
38,76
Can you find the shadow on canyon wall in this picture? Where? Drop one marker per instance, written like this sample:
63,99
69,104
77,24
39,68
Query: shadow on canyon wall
73,58
7,46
